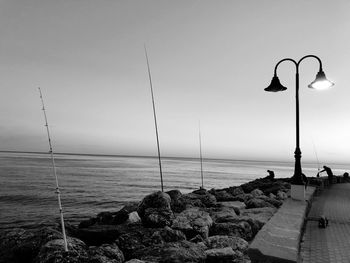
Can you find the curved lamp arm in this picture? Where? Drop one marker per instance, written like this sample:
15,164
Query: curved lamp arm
298,63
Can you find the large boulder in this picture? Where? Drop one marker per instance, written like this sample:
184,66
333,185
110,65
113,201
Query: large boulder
257,193
155,210
222,255
241,229
193,221
234,190
201,196
235,205
159,200
133,218
272,201
281,195
222,195
257,203
222,214
173,252
157,217
53,251
256,217
243,197
106,253
178,203
111,218
96,235
19,245
261,215
138,237
221,241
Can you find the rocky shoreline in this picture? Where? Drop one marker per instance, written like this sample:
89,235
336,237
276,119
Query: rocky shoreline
165,227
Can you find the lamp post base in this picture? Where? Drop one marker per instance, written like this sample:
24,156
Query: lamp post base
297,192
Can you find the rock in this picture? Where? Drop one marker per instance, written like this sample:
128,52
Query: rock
222,214
201,196
87,223
271,195
53,251
133,218
257,193
193,221
137,261
170,235
155,210
275,187
222,195
256,203
243,197
138,237
236,190
157,200
260,215
197,239
19,245
112,218
220,241
157,217
272,201
105,218
99,234
236,205
222,255
106,253
131,207
178,203
241,229
266,184
174,194
282,195
174,252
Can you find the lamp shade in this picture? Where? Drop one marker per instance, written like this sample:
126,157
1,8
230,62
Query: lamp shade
275,85
321,82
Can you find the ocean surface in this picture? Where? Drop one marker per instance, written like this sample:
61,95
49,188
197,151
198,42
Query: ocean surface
92,184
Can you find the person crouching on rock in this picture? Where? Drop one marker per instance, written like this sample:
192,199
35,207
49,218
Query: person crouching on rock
271,175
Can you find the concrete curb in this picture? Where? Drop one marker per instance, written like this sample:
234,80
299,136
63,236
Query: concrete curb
279,239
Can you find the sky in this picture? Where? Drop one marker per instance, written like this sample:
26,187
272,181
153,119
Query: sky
210,62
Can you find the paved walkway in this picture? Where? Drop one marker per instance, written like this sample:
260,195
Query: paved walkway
332,244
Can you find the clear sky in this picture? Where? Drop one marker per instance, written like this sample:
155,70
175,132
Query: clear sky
210,62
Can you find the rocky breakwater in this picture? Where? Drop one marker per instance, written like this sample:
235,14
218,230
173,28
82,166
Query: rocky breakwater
202,226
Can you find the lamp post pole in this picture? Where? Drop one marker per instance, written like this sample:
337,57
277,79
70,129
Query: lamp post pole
275,86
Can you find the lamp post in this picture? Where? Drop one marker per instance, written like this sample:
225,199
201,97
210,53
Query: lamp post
320,83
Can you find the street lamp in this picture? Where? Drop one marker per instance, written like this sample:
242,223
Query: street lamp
320,83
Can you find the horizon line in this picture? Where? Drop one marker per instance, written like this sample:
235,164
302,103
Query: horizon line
166,157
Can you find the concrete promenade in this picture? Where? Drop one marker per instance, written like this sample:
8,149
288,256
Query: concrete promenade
332,244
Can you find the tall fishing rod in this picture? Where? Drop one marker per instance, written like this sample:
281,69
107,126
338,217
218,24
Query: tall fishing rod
318,163
200,154
54,171
155,120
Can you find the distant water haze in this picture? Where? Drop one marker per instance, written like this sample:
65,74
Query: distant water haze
92,184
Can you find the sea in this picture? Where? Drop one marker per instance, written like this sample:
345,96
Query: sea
92,184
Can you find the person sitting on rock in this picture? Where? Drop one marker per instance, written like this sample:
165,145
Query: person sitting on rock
329,173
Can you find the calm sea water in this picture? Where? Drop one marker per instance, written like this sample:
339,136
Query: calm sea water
92,184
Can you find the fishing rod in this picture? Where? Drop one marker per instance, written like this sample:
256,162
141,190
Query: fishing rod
200,154
155,120
318,163
54,171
